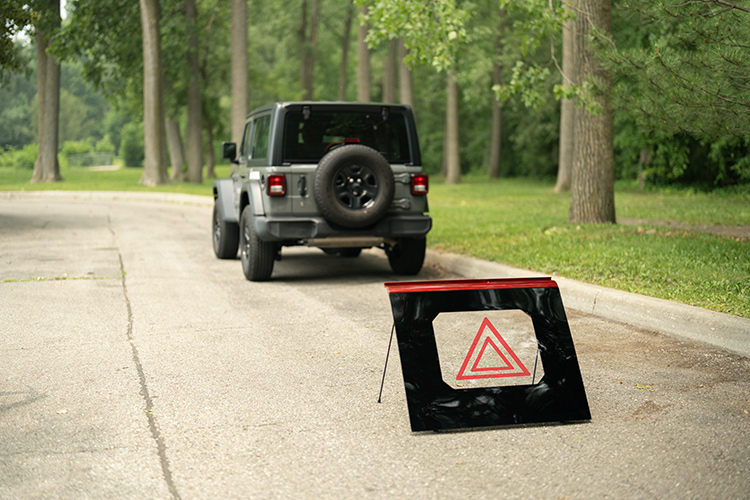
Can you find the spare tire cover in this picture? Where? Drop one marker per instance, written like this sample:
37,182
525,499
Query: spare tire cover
353,186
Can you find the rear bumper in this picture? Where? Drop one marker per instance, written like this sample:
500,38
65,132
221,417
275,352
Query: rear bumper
302,229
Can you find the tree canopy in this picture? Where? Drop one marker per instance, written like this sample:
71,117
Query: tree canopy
678,69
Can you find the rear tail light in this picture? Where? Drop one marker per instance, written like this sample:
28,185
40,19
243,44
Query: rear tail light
276,185
420,184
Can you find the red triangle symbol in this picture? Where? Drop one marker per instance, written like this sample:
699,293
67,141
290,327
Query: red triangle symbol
491,368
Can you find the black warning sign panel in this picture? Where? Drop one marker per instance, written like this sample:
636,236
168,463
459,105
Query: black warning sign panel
480,353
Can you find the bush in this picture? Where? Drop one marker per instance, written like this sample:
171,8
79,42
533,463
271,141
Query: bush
131,145
105,145
22,159
75,148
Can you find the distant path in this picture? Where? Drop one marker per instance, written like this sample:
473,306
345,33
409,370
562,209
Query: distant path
733,231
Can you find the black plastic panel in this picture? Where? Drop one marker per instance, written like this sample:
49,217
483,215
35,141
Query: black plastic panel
433,405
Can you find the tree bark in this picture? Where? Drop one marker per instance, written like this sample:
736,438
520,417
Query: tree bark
208,119
210,158
345,43
176,150
389,72
405,80
567,109
592,183
46,167
239,69
496,134
452,140
154,163
194,108
363,62
309,47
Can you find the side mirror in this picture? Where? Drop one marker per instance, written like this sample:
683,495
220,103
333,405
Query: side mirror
229,151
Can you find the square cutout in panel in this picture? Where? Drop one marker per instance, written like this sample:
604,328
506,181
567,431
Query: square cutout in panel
487,349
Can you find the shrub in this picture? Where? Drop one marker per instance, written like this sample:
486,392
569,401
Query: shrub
75,148
22,159
131,145
104,145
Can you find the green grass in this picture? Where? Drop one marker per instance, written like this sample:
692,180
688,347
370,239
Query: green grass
85,179
523,223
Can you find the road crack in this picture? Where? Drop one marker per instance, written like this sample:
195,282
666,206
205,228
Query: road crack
148,410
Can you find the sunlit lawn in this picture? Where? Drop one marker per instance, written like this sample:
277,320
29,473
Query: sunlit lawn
86,179
524,224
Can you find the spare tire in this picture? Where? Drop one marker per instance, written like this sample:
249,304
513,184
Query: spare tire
353,186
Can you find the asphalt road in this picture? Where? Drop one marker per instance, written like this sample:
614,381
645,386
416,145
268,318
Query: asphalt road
134,364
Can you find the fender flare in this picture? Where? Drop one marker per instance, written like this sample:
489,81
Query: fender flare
223,199
254,193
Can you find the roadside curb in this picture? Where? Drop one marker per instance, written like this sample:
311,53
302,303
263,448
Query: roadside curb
725,331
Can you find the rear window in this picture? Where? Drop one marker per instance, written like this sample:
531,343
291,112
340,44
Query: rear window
308,138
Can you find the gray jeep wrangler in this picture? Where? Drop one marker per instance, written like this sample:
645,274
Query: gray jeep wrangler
333,175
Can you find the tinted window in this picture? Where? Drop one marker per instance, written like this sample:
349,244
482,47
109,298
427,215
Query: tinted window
260,138
307,140
245,139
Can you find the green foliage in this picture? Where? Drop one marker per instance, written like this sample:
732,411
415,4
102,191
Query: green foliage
666,133
680,75
114,122
22,159
524,79
432,31
17,111
131,145
686,70
533,22
17,16
83,154
76,148
104,145
108,45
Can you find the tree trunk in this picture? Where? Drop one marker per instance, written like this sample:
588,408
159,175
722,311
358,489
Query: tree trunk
176,151
389,72
592,183
345,43
363,63
452,141
405,82
208,120
644,163
239,68
567,110
308,47
41,69
46,167
194,125
154,163
210,158
496,139
496,134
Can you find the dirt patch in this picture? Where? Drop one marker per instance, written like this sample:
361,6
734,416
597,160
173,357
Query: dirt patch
742,232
